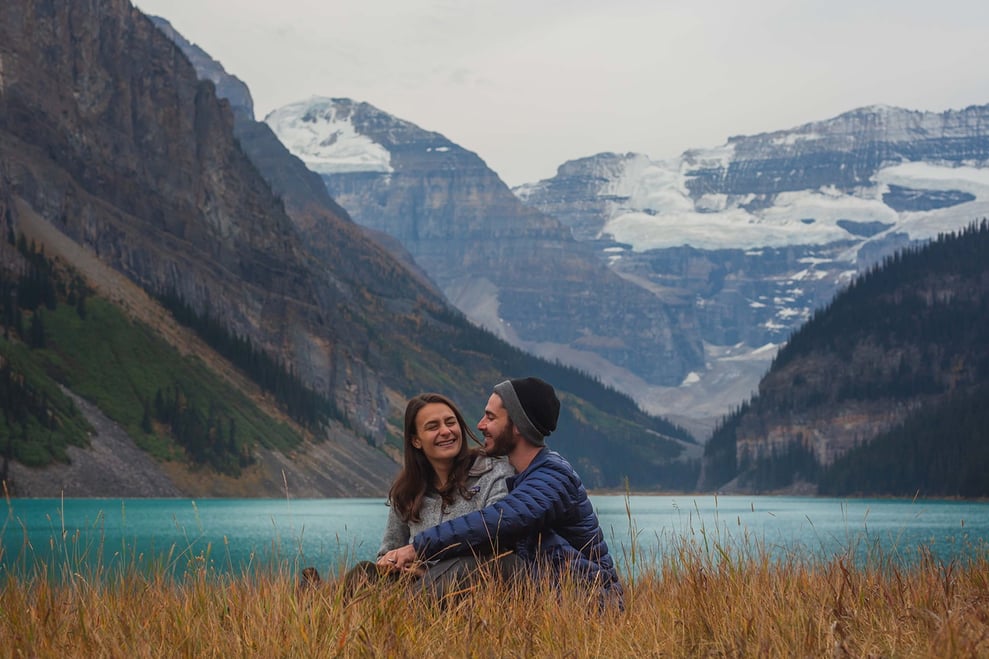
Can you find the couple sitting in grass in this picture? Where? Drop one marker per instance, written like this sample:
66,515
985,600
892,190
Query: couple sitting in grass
514,509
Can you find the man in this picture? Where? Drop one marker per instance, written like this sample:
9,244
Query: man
546,518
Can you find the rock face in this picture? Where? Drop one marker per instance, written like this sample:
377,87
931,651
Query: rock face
758,233
513,270
890,378
112,148
141,135
227,86
106,133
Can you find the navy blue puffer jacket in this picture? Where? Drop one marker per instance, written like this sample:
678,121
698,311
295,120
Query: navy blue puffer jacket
546,519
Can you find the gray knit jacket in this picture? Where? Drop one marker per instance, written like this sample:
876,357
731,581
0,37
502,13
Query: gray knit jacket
486,479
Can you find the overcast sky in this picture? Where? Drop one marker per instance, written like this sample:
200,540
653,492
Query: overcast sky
530,84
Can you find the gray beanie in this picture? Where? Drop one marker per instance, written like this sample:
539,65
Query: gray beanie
532,406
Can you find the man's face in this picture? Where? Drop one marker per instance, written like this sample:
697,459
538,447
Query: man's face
497,429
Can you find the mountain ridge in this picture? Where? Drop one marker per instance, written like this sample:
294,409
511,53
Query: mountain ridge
514,271
763,229
861,390
107,135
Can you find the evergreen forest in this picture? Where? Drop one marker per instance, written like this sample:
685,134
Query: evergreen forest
910,336
58,335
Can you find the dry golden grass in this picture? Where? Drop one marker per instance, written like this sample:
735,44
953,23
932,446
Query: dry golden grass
692,603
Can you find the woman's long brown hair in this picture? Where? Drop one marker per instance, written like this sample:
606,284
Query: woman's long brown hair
417,475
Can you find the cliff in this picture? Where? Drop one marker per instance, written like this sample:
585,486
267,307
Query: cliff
758,233
120,167
889,379
513,270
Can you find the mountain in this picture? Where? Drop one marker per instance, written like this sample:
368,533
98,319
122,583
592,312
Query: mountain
235,326
655,457
324,224
882,392
228,87
759,232
515,271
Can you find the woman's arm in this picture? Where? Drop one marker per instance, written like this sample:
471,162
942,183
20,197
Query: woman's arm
396,533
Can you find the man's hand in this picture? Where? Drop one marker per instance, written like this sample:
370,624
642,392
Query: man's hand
405,556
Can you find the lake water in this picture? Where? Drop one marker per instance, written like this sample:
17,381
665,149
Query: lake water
232,535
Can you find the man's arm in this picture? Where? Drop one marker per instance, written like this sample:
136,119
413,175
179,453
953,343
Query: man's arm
533,505
496,489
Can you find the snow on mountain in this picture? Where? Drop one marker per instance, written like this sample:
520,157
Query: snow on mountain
744,239
764,229
441,201
860,177
325,133
815,184
656,209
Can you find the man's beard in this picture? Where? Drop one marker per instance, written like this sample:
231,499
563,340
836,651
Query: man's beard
503,443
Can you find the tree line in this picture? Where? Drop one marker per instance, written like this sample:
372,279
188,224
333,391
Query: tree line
32,429
209,438
913,328
304,405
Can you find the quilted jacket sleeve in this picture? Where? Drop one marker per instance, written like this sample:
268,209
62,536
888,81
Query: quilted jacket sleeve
537,502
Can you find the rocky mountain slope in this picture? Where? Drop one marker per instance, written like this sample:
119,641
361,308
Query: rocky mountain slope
759,232
510,269
113,149
882,392
307,199
108,138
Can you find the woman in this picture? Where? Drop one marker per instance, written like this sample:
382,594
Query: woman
441,478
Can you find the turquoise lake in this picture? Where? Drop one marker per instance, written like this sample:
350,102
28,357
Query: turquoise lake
232,535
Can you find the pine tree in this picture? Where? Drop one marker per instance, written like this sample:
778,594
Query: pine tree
36,335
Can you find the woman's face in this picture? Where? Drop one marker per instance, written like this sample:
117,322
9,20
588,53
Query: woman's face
437,433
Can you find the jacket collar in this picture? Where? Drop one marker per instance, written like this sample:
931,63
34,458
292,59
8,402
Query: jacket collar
541,457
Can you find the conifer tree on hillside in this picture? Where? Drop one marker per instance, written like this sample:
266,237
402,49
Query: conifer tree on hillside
911,333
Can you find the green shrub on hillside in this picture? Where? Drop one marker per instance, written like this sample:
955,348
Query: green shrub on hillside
38,421
122,367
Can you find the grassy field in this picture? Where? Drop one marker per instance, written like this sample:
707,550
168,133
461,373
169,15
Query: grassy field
694,602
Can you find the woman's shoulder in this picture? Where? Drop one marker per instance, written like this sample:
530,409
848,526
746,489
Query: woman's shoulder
484,464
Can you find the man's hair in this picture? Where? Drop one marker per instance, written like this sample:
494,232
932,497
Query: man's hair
532,406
